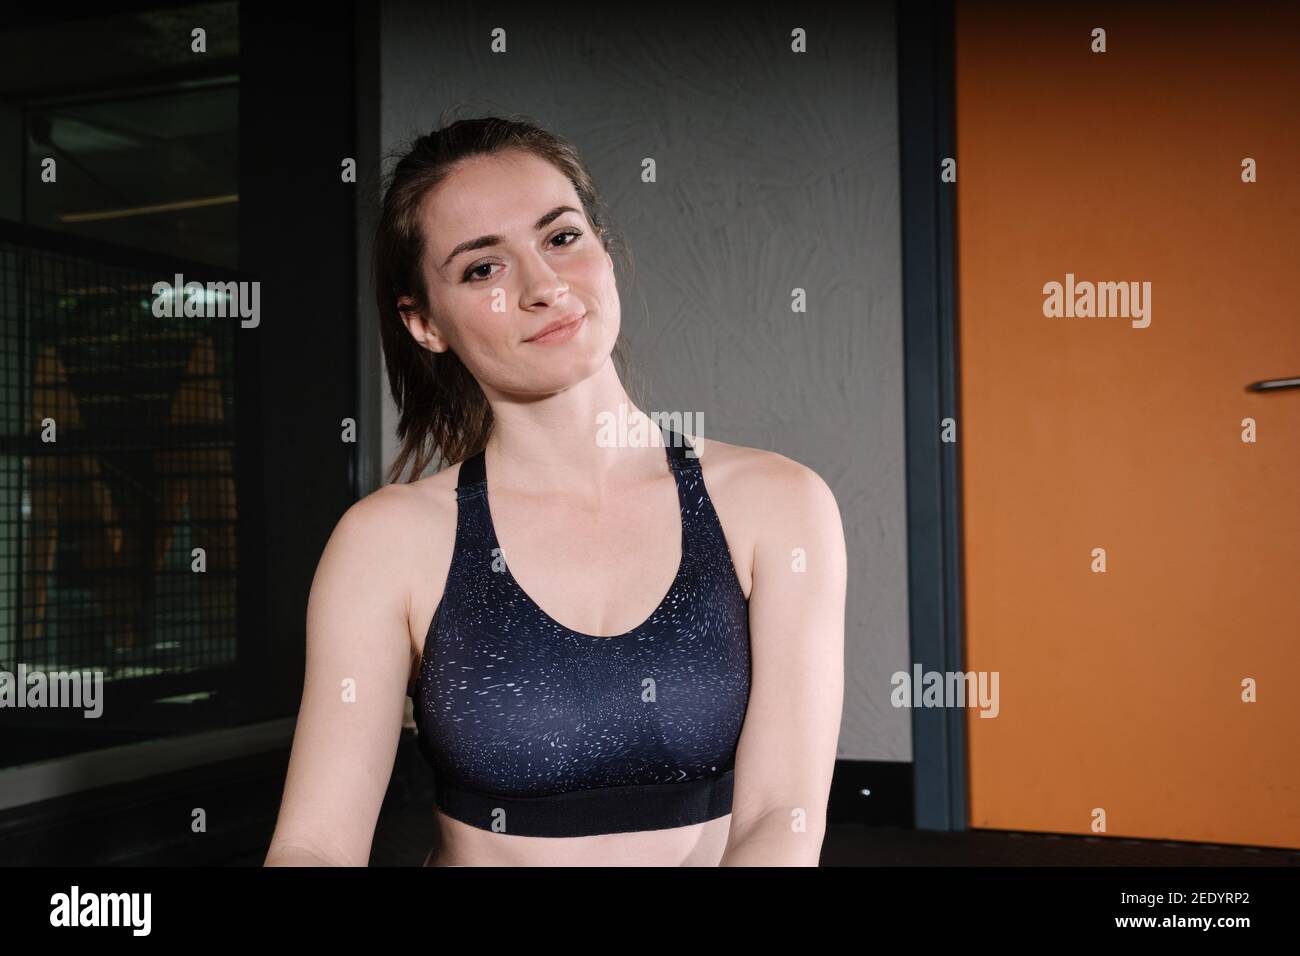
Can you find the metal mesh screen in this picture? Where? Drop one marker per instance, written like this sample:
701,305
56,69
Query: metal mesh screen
119,462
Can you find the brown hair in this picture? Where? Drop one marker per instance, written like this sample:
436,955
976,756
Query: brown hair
440,404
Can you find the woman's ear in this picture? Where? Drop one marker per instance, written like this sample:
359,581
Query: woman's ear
417,323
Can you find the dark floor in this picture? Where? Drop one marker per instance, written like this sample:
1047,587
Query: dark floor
406,831
852,845
134,824
404,835
403,840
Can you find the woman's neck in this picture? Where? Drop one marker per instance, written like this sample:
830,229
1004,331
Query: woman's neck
587,436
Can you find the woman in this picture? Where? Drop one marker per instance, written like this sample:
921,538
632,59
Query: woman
606,729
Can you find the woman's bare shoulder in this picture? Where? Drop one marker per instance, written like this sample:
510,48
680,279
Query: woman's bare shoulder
762,496
400,513
400,497
756,473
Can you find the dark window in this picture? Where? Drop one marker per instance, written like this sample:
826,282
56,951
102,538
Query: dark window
99,527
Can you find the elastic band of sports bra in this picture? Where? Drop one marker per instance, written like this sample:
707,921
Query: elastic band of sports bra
655,806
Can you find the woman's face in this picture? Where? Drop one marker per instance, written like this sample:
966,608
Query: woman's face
504,259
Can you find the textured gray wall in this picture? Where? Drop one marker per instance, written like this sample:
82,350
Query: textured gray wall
776,170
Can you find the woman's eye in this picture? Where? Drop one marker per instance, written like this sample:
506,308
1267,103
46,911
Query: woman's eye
472,274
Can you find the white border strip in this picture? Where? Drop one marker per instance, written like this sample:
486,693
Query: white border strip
30,783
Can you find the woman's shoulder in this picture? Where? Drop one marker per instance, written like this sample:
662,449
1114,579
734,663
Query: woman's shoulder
766,500
397,511
757,472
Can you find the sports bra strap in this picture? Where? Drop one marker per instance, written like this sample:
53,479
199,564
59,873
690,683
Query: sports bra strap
678,447
472,472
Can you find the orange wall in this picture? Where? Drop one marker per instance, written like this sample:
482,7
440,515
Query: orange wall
1121,690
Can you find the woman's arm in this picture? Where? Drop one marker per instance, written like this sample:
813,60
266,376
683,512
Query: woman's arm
358,660
786,754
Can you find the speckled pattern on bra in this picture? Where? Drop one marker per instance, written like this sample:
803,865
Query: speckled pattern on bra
532,727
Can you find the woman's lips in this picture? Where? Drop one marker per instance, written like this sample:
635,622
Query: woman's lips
561,334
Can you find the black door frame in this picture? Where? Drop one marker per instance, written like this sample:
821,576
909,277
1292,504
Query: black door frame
926,138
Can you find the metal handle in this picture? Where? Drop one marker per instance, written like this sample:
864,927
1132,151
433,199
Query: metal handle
1272,383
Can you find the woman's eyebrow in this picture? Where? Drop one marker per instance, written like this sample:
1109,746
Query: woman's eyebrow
483,241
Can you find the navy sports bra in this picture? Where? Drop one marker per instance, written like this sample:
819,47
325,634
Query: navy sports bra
534,729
